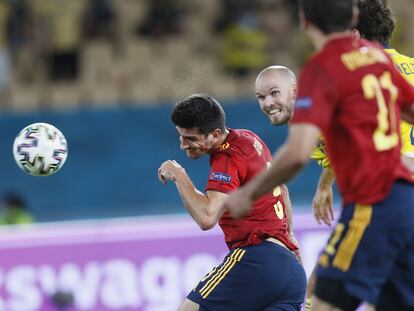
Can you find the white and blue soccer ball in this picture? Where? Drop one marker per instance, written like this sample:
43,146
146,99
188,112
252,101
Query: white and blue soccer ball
40,149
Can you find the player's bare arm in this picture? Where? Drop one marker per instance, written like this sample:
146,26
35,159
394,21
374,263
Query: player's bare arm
288,160
204,208
322,204
408,114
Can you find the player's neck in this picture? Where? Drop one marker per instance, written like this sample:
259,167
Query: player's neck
224,136
319,39
222,139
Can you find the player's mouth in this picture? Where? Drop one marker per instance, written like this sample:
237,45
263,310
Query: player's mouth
275,112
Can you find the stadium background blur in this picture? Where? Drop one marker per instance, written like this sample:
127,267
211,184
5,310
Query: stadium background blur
106,73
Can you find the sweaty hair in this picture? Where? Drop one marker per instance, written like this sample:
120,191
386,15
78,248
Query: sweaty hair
199,111
376,21
329,15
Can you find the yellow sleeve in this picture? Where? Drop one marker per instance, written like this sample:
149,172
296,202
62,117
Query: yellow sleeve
407,139
404,65
319,154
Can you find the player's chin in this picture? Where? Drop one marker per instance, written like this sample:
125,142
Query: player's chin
193,154
279,119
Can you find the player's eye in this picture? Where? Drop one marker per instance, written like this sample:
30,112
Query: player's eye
275,93
260,97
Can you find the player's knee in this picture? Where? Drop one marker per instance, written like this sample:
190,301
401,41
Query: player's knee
189,305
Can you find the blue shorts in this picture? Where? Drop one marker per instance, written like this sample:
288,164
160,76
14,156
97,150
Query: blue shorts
371,250
266,276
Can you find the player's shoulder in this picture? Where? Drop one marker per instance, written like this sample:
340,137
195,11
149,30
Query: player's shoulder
243,136
397,56
403,63
241,142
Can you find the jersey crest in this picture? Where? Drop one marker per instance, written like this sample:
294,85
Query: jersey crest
224,146
258,146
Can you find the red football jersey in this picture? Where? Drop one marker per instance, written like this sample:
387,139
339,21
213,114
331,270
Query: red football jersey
241,156
353,93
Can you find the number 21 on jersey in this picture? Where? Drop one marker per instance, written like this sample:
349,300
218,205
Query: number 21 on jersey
373,87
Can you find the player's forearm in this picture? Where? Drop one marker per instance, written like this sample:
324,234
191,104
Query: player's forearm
288,160
284,166
326,179
196,202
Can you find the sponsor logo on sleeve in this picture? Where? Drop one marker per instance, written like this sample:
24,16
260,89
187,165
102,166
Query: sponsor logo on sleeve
220,177
303,103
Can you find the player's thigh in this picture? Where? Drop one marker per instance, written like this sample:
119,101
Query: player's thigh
189,305
251,278
366,243
353,261
398,291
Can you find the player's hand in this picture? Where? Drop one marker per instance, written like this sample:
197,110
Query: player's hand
238,203
322,206
169,170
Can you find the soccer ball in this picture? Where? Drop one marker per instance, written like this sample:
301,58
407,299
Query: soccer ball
40,149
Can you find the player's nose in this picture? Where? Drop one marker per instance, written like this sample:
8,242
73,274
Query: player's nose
268,102
183,144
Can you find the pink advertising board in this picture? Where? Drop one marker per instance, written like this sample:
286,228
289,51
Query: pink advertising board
140,264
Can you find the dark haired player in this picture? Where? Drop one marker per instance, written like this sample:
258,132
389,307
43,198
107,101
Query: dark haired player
261,271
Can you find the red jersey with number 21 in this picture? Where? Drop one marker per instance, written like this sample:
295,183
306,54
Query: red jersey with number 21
242,156
353,93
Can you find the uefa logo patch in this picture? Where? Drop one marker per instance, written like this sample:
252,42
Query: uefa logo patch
220,177
303,103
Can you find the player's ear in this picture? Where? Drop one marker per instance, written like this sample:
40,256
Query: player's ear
216,133
356,34
294,92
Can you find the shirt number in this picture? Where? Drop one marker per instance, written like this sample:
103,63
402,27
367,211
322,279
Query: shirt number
373,87
278,206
